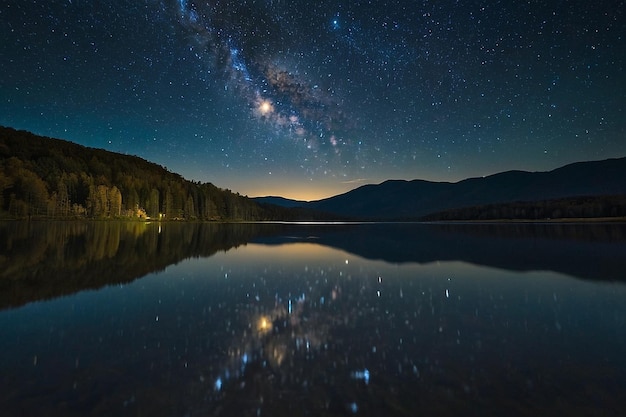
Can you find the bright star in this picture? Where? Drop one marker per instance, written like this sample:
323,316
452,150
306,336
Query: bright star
265,107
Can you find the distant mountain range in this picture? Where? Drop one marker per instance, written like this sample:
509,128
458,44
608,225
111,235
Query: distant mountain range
49,178
280,201
411,200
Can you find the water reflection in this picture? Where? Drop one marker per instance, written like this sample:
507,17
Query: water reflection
46,260
307,322
41,260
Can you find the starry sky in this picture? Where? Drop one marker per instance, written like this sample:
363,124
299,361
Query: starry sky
310,99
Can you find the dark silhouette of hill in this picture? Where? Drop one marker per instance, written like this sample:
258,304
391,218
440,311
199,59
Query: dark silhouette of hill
280,201
398,199
56,179
51,178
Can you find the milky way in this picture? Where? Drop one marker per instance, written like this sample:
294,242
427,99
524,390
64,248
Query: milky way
240,42
308,99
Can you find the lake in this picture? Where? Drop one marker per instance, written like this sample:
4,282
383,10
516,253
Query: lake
149,319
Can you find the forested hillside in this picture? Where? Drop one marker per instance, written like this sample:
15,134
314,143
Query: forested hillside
52,178
590,207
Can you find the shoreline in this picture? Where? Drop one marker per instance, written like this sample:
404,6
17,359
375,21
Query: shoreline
572,220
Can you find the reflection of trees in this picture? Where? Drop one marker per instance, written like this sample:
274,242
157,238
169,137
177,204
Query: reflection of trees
49,259
564,208
590,232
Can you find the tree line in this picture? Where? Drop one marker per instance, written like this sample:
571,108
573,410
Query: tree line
583,207
53,178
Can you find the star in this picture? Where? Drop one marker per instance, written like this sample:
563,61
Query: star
265,107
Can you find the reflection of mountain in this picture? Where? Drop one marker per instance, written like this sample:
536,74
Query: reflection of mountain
46,260
590,251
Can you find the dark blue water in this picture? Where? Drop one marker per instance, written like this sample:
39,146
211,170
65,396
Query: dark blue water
311,321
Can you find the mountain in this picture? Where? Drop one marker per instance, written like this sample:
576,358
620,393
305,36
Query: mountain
280,201
399,199
52,178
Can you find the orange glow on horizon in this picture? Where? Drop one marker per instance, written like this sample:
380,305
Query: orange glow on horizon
298,193
301,190
294,196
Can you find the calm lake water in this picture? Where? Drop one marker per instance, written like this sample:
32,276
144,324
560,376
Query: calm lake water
132,319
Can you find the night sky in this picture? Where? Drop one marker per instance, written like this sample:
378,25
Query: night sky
307,99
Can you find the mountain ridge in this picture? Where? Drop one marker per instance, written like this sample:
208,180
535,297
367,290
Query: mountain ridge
54,178
398,199
279,201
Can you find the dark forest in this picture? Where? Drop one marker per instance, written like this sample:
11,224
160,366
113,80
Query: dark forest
42,177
